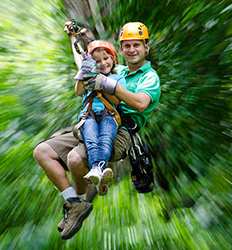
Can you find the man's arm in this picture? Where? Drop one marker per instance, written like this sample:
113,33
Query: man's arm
139,101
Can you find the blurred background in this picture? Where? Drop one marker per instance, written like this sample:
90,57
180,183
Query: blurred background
190,134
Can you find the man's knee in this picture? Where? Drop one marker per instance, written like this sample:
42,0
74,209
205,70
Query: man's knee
74,160
43,151
121,145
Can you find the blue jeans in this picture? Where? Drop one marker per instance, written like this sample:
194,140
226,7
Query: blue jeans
98,136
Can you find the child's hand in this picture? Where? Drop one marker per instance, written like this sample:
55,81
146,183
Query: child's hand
88,64
88,68
71,27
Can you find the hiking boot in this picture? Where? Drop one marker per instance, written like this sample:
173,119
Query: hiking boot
94,175
60,225
90,195
106,180
75,211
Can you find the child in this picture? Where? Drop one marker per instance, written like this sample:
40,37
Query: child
97,117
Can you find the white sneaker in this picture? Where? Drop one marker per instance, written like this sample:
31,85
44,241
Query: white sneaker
94,175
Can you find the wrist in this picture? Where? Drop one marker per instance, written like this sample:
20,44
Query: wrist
117,90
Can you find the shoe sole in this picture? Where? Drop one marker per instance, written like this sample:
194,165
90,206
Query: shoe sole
92,180
107,179
102,189
60,226
76,227
107,176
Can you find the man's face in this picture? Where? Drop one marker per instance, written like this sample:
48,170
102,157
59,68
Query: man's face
134,51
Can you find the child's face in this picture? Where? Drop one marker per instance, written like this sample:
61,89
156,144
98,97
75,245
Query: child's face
104,60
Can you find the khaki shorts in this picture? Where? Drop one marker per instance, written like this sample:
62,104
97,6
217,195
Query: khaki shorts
64,141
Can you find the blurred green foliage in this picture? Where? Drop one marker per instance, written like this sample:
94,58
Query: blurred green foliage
190,134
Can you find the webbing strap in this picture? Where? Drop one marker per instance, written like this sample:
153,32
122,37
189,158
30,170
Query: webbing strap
107,104
110,108
83,118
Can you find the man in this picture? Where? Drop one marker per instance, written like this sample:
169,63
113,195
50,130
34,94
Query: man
137,102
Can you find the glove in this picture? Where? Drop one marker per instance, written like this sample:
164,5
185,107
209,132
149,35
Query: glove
101,82
88,68
88,64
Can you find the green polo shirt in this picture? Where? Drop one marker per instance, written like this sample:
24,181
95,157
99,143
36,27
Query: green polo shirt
144,80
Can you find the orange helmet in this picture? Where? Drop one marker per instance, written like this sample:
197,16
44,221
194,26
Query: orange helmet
105,45
133,31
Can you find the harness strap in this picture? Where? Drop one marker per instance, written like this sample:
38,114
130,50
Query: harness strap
113,99
107,104
83,118
110,108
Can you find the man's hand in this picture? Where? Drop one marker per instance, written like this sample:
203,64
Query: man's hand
101,82
88,68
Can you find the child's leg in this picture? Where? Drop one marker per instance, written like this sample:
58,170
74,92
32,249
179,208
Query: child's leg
89,132
107,130
107,134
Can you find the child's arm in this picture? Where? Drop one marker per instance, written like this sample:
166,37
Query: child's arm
79,88
68,28
83,35
77,56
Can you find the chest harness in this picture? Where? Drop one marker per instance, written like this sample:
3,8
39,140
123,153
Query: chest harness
107,101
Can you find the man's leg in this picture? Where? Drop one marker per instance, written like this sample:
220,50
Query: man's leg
77,165
76,211
48,155
122,144
47,158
